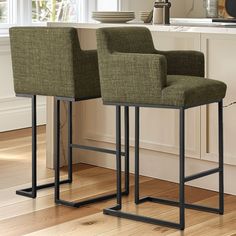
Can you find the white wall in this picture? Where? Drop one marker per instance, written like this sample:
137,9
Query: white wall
15,113
179,8
104,5
137,5
199,8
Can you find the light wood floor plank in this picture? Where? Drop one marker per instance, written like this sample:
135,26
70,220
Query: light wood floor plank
23,216
99,224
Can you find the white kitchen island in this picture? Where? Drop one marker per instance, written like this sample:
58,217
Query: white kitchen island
95,123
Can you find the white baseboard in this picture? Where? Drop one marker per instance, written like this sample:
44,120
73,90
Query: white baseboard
166,166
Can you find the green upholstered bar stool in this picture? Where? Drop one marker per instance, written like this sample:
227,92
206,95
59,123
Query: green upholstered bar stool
134,73
50,62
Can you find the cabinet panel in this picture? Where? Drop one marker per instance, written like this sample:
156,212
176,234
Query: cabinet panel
159,127
220,53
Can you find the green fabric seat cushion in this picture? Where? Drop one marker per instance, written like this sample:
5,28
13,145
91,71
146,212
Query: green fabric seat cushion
190,91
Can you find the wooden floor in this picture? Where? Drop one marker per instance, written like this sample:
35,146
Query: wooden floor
23,216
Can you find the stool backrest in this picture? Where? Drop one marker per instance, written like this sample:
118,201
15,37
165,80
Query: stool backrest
129,66
46,61
127,40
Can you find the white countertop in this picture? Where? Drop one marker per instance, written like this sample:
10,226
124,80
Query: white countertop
191,25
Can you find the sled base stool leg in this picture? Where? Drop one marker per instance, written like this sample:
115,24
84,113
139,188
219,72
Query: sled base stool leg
31,192
116,211
96,199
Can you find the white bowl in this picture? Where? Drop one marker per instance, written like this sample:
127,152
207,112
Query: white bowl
144,15
144,12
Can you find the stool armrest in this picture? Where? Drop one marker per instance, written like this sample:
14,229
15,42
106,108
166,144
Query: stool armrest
88,77
184,62
135,77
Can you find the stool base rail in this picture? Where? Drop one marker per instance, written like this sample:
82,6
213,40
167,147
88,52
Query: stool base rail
28,192
31,192
71,145
181,204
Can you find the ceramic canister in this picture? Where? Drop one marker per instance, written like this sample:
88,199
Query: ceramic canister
158,15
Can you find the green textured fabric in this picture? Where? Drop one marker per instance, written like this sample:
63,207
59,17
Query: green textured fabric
184,62
190,91
49,61
133,71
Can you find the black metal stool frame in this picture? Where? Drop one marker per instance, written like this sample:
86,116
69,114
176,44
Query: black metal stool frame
31,192
58,200
116,211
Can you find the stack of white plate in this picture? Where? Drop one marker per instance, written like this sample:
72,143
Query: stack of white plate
113,16
144,15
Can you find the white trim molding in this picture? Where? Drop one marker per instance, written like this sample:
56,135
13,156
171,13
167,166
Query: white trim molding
15,113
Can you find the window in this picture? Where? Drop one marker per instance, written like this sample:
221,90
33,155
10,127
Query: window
54,10
38,12
107,5
4,11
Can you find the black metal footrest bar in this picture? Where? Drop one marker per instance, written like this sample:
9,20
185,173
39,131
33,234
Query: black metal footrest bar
176,204
89,201
201,174
72,145
115,211
27,192
95,149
